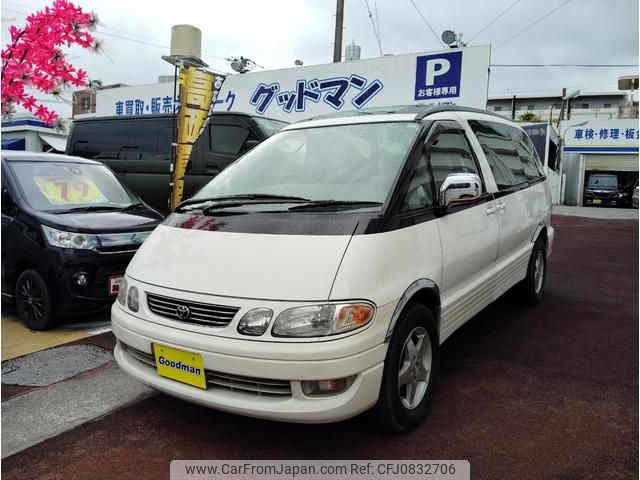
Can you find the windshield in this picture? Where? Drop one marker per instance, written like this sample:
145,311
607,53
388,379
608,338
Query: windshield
50,186
604,181
345,163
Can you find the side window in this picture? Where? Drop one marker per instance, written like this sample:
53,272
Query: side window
419,193
500,144
149,140
100,140
229,139
10,208
450,153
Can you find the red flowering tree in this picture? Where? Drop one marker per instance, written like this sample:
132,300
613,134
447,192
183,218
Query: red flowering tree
34,58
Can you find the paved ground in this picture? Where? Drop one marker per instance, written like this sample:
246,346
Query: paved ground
18,340
549,392
605,213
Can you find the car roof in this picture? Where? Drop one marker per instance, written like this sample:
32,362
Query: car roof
22,156
400,113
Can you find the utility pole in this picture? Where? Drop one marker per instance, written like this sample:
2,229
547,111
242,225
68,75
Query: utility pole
337,45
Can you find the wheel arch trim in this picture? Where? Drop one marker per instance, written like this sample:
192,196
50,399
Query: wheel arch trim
422,285
536,233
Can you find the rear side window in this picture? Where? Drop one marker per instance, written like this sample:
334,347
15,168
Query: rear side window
100,140
228,139
509,152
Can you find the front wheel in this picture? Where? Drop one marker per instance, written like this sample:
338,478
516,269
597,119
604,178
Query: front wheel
410,371
33,301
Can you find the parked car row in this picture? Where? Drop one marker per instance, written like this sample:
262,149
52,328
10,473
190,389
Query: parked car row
313,279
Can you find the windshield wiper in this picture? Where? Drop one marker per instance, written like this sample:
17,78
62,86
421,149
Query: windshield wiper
336,203
133,206
91,208
242,199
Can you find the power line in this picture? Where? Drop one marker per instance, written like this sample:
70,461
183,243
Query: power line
428,24
373,25
133,37
494,20
580,65
533,24
375,3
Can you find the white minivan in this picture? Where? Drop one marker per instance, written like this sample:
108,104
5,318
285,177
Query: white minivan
316,277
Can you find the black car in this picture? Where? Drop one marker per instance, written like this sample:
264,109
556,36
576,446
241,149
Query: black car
69,229
604,189
138,149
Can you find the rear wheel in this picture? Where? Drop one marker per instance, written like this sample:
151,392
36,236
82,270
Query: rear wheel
410,371
33,301
531,289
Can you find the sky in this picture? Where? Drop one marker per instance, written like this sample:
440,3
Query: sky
135,33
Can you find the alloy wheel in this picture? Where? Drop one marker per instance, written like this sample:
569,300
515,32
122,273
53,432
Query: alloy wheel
415,368
32,300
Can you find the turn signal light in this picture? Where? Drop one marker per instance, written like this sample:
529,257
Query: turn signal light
352,316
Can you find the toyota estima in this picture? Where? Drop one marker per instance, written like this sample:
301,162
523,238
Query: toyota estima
317,276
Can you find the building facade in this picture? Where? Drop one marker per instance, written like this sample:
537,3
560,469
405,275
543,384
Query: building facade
586,106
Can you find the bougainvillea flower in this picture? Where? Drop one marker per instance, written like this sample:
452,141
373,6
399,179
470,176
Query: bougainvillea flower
34,59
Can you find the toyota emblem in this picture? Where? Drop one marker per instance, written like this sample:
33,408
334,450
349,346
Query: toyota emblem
183,312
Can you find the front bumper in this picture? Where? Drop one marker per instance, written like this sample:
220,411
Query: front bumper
99,267
283,362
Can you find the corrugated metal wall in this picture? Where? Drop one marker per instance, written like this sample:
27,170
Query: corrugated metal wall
611,163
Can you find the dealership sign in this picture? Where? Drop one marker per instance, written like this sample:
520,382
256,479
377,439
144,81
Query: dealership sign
448,77
451,77
603,136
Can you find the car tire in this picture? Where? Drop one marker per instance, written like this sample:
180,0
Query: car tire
33,301
531,289
399,410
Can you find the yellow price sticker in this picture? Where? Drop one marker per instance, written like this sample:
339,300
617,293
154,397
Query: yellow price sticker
62,191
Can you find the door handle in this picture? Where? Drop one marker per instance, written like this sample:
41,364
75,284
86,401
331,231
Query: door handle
491,210
212,167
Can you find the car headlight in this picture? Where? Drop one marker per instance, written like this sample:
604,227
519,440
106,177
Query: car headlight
122,292
255,322
321,320
59,238
132,299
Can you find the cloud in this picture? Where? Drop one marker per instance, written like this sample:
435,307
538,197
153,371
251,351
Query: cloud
275,34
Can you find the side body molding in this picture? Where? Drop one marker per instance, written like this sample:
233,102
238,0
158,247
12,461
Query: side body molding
423,284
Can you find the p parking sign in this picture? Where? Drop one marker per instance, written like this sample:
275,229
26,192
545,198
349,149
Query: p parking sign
438,76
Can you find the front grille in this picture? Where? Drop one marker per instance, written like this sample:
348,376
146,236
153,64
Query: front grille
251,385
603,195
199,313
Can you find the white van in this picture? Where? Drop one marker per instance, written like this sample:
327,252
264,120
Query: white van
316,277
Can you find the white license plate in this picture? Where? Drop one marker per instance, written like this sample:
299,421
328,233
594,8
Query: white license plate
114,284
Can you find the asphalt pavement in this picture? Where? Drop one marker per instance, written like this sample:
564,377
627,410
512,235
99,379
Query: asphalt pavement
546,392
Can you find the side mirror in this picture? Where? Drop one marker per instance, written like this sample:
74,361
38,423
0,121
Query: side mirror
459,188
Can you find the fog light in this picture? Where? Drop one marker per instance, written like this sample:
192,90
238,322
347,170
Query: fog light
82,279
132,299
322,388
